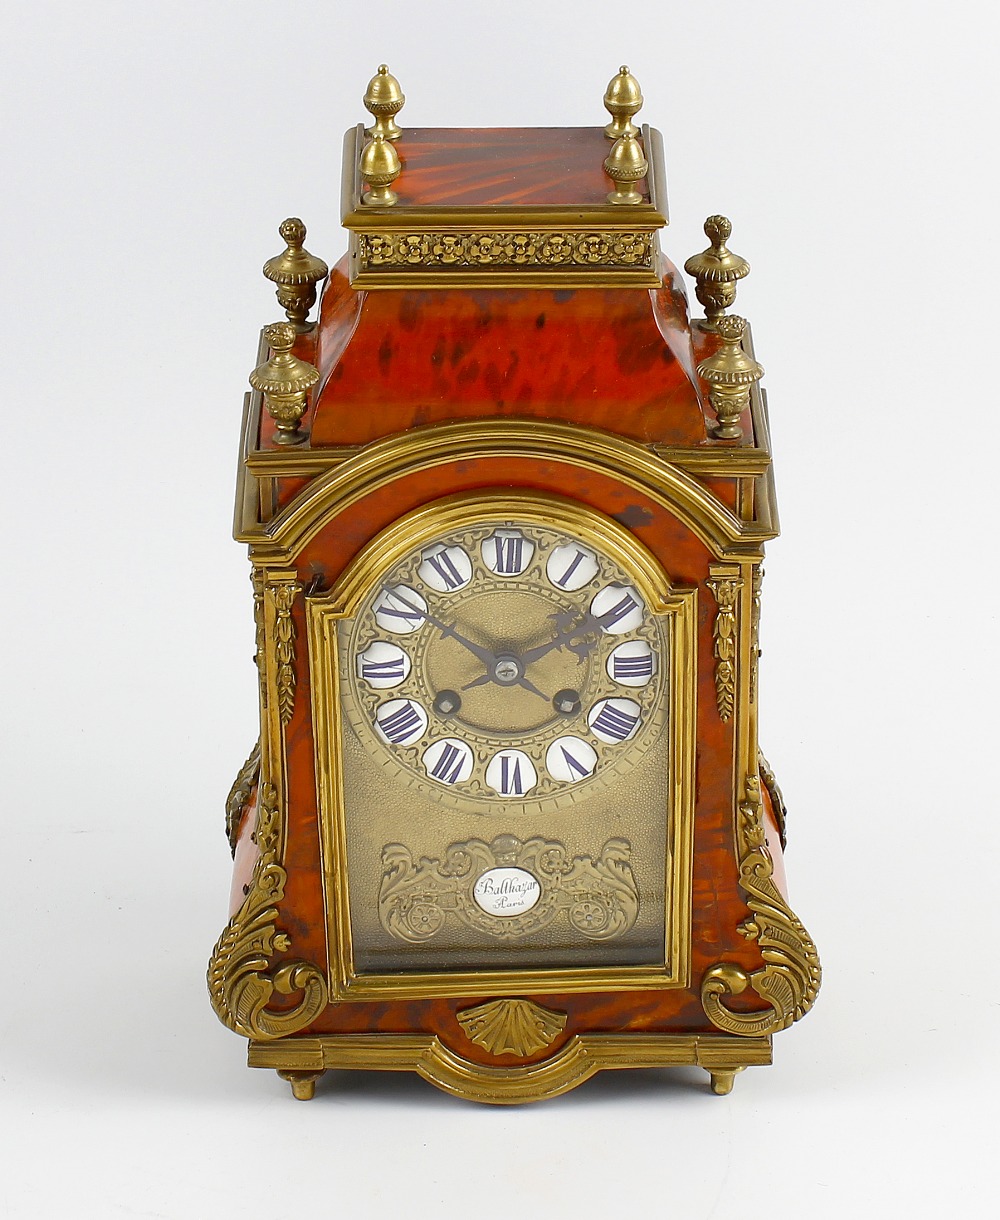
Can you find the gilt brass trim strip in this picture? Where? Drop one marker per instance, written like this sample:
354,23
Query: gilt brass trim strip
383,462
678,607
581,1057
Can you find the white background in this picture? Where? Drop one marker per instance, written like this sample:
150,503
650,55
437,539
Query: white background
150,150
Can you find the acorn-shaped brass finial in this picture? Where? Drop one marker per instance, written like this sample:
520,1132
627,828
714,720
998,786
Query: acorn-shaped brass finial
379,169
284,380
296,272
623,101
384,100
730,373
717,271
625,165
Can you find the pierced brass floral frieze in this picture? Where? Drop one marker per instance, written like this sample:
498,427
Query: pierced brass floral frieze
512,1027
239,982
725,586
619,249
790,979
600,897
284,594
240,792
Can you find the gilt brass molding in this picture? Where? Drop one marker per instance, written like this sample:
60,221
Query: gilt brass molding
598,896
239,980
383,462
260,634
240,793
581,1057
725,585
678,609
512,1026
770,782
756,583
790,979
283,594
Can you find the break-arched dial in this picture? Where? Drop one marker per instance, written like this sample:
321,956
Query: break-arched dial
507,663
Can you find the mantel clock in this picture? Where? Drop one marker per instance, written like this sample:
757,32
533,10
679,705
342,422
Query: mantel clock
507,823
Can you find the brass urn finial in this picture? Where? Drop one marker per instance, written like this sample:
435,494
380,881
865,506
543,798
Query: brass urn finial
625,165
730,373
296,272
623,101
284,380
380,169
717,271
384,100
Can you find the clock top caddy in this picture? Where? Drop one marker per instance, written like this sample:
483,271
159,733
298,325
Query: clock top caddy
507,823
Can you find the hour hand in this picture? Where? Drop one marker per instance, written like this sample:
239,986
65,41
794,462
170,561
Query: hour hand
572,636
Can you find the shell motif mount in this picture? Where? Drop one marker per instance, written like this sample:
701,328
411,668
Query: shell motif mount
512,1027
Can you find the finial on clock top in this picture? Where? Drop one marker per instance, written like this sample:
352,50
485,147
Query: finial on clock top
623,101
384,100
730,373
379,168
284,380
717,271
625,165
296,273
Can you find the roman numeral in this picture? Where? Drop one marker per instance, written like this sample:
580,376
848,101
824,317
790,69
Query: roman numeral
449,766
412,617
561,581
618,612
444,566
614,723
396,668
633,667
510,776
400,724
573,763
508,554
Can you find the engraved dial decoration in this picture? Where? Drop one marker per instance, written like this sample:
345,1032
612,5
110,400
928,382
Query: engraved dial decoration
506,664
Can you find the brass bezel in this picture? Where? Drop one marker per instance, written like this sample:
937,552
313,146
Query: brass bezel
678,607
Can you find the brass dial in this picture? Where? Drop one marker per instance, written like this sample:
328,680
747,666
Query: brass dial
506,664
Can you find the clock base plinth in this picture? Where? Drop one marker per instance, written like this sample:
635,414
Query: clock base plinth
302,1061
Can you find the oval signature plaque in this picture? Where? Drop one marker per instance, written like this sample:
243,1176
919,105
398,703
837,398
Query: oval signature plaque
506,891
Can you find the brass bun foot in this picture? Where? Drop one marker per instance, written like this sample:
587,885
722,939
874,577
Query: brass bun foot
303,1083
722,1081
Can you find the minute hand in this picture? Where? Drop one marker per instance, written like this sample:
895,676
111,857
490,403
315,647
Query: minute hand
484,654
586,626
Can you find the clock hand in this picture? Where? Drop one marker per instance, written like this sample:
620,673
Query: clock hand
522,682
588,625
446,629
